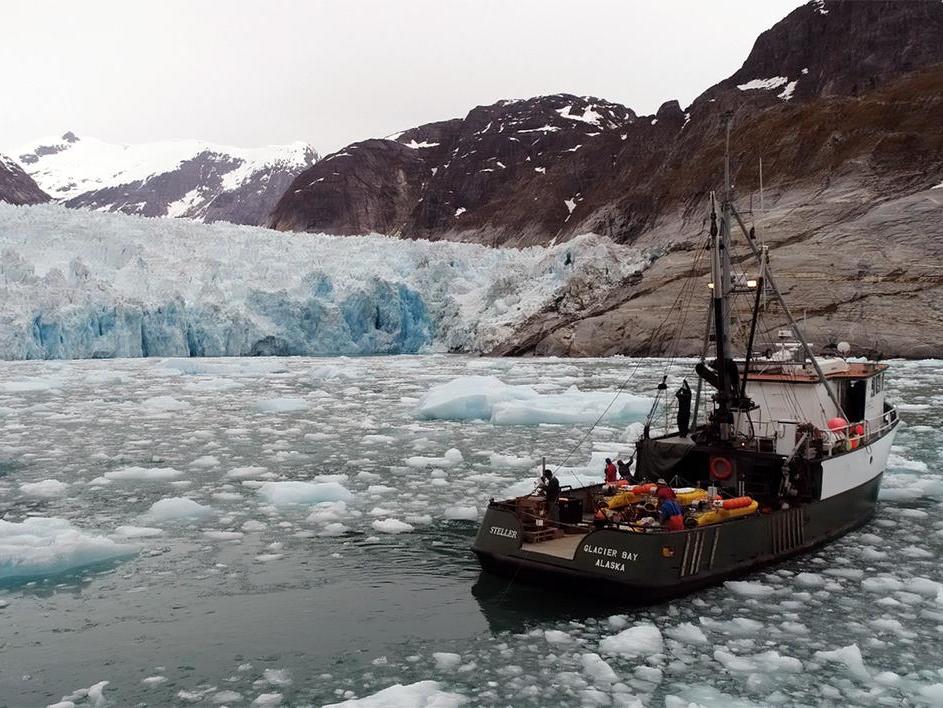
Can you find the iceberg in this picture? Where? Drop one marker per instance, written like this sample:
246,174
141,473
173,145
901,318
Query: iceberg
422,694
297,492
40,547
77,284
488,398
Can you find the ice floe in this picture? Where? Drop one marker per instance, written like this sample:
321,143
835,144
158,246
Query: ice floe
488,398
44,546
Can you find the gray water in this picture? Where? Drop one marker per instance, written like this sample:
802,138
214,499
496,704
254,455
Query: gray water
320,603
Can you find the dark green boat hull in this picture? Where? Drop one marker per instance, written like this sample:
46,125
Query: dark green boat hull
643,568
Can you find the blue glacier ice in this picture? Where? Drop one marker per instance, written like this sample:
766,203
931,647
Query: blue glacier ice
77,284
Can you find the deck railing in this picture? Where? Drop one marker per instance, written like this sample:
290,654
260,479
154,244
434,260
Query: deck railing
839,440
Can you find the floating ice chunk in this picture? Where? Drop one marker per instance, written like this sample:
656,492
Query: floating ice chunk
177,509
598,670
247,472
463,513
162,404
223,535
46,546
423,694
265,700
138,531
150,474
329,372
277,677
736,626
252,525
334,529
45,488
556,636
488,398
297,492
226,697
768,662
850,656
641,640
391,526
205,461
281,405
510,461
748,588
445,661
251,367
933,693
810,580
687,633
451,457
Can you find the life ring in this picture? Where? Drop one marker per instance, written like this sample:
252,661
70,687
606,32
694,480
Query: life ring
721,468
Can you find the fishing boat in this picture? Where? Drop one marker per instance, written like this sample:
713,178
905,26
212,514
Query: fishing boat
789,455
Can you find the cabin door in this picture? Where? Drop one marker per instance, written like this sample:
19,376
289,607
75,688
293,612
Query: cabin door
856,397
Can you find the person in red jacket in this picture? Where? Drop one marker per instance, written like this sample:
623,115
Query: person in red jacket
611,472
663,492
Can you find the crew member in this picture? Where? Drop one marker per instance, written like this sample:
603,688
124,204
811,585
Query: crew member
625,469
610,472
684,408
663,492
671,514
551,487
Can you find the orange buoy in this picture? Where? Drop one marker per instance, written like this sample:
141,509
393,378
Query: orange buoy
644,488
837,425
736,503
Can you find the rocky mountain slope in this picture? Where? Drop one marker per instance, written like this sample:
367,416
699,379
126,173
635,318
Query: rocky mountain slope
188,179
840,100
17,187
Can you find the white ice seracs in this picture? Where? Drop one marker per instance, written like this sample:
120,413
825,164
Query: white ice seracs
75,284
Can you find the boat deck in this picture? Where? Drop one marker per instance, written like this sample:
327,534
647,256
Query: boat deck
563,547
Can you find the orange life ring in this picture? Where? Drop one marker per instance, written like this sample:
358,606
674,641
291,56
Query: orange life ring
721,468
643,488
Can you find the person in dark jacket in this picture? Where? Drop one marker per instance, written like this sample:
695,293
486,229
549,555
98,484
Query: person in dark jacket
684,408
552,493
625,469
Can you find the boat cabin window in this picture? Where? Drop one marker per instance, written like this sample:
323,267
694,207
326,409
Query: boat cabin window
877,384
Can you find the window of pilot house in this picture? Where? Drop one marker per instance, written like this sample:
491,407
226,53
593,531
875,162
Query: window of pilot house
877,384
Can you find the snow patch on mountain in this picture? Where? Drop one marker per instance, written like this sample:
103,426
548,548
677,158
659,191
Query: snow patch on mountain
68,166
182,178
75,284
763,84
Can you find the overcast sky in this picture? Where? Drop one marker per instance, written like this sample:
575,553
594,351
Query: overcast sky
254,72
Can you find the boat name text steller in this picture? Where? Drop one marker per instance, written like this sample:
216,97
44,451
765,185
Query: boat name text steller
501,531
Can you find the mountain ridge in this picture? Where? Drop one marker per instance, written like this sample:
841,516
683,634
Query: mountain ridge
184,178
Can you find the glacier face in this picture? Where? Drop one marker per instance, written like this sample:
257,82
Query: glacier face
76,284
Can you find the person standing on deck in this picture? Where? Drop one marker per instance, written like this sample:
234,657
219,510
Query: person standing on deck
671,514
610,472
663,492
551,487
684,408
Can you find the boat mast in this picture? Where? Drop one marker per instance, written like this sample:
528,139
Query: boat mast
722,284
